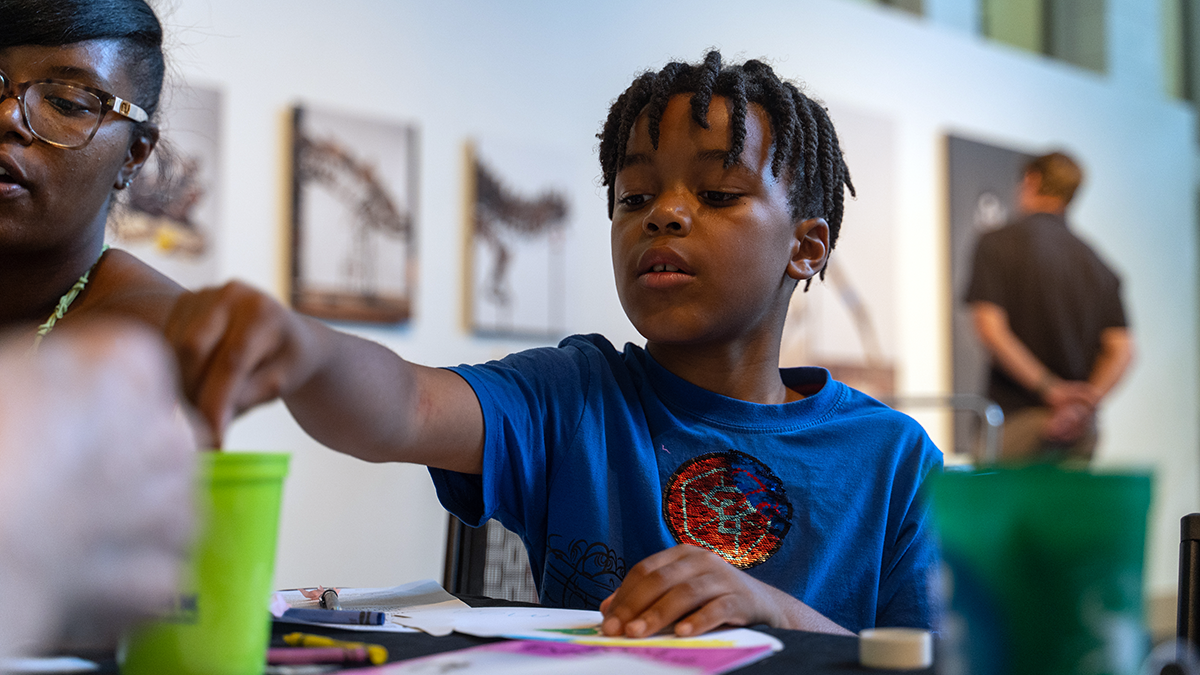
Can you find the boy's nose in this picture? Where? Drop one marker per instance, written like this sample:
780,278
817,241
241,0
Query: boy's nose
669,216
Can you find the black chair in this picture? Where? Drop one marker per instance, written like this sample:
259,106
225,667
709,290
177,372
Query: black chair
488,561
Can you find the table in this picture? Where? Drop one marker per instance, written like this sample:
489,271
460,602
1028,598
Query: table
803,653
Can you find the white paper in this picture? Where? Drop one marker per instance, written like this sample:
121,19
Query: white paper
500,663
426,606
47,664
417,593
420,605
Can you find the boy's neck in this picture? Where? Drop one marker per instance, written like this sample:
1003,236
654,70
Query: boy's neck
746,373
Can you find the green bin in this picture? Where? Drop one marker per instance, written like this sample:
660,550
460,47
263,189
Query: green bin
1043,570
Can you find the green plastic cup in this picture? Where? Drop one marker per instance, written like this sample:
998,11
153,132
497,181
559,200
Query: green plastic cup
1044,570
220,624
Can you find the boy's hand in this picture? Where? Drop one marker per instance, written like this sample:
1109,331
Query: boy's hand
237,348
698,591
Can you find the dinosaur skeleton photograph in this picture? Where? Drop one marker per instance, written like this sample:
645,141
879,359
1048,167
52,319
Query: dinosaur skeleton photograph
354,186
517,227
168,215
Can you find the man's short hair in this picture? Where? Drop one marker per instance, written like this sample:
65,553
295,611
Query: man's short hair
1061,175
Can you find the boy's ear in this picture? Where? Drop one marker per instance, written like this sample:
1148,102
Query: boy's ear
810,248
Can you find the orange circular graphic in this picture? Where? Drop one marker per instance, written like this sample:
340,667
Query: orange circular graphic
729,503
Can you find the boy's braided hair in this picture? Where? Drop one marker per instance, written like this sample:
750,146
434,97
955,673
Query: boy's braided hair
805,145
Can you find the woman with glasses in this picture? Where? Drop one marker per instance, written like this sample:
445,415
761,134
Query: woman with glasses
79,84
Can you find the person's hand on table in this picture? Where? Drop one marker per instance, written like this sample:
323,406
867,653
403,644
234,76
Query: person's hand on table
237,348
698,591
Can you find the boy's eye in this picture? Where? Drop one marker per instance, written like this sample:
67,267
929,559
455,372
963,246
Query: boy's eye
633,201
718,197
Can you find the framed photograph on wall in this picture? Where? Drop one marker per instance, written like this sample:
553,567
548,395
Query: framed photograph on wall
168,215
982,183
354,193
518,215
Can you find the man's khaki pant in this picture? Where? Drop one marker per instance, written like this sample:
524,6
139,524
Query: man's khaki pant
1023,440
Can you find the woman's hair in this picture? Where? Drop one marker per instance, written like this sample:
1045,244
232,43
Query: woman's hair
63,22
805,145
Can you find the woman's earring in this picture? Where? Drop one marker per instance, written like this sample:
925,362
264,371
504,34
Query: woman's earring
125,183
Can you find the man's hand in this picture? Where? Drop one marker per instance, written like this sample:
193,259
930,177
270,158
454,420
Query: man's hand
698,591
1072,411
238,348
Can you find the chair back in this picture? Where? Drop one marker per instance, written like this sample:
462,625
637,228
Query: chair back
488,561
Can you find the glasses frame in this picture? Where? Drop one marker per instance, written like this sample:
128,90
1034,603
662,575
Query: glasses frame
107,102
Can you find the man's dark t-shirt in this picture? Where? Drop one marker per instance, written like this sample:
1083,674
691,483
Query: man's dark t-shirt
1058,294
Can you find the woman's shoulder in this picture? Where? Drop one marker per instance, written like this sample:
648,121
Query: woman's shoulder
124,286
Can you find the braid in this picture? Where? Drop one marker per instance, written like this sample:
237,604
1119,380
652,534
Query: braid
736,93
662,89
705,82
620,121
805,147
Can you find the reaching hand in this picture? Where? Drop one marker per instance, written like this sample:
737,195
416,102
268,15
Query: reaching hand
96,471
698,591
238,348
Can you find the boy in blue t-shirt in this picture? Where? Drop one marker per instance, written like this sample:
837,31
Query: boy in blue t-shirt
690,482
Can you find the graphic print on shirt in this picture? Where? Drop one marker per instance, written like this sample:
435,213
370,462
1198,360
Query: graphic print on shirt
729,503
580,575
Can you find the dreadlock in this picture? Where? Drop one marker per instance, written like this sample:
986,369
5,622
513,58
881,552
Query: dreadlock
805,148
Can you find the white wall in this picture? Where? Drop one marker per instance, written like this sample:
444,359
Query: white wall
546,71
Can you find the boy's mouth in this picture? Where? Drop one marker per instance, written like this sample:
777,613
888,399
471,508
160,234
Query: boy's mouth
662,260
663,269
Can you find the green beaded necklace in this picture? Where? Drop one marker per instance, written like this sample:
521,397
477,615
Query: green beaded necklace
64,303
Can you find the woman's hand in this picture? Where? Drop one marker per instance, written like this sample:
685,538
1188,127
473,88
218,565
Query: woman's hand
698,591
237,348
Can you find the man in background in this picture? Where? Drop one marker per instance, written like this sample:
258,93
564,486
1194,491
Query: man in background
1049,312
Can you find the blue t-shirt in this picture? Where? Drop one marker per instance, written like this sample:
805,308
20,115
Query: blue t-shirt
599,458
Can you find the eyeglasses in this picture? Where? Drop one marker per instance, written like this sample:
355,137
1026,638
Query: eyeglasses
65,115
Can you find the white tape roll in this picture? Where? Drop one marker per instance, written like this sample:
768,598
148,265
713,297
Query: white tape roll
895,648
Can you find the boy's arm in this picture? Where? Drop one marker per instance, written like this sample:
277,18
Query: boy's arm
238,348
698,591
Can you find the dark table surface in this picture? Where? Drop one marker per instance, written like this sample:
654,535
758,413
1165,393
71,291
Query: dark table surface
803,653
